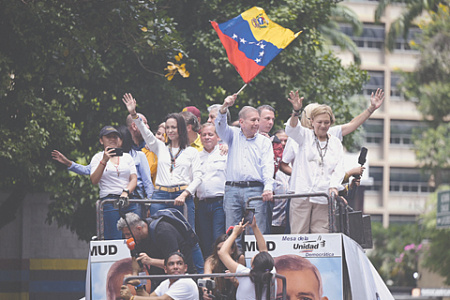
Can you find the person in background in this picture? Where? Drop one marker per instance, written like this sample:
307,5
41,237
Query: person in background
116,178
225,286
193,127
258,284
210,214
195,111
266,119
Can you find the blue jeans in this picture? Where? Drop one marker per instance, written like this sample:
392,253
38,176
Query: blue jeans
162,195
197,259
210,223
111,216
234,203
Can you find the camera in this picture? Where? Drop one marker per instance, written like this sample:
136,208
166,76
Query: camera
117,151
207,283
248,215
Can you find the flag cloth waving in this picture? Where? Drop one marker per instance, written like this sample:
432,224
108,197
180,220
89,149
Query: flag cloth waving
252,41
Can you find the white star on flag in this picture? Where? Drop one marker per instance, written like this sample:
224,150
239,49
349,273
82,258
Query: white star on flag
261,53
257,60
235,36
243,41
262,46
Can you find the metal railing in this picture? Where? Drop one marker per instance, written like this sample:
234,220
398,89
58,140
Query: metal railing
335,206
201,276
99,211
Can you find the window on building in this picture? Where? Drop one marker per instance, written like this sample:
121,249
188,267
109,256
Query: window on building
402,132
402,44
372,37
402,219
374,131
409,180
376,80
377,174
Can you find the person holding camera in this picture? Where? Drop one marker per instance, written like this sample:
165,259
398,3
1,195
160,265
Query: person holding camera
223,287
116,175
169,289
258,285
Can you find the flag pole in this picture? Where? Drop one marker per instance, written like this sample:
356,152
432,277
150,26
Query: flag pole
243,87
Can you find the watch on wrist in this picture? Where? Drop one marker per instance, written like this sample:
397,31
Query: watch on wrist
126,191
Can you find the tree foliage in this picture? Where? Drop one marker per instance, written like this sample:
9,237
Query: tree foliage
429,86
65,65
414,8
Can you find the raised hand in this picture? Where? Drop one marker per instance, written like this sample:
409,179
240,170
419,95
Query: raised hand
229,101
295,100
58,156
376,100
130,103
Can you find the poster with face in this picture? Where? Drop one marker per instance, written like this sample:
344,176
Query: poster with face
311,263
109,262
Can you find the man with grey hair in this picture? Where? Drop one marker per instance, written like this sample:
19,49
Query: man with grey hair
214,111
150,253
249,168
303,279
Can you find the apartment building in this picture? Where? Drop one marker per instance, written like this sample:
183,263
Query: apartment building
399,190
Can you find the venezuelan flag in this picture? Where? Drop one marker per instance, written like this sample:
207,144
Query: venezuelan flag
252,40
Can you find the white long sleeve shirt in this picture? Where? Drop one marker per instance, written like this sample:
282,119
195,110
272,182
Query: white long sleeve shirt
248,159
310,176
187,165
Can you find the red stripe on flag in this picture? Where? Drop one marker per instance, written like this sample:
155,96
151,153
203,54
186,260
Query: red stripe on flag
247,68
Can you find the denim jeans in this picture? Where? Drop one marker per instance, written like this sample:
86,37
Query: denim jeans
162,195
234,204
111,216
210,224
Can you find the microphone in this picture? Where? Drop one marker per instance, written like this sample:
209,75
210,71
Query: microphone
362,156
131,244
362,159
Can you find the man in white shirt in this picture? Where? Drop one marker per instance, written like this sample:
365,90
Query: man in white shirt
169,289
250,167
210,214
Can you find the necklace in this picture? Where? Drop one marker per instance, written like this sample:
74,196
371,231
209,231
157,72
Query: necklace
322,150
117,166
173,158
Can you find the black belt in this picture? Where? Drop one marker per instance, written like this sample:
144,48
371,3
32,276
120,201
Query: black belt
244,183
212,199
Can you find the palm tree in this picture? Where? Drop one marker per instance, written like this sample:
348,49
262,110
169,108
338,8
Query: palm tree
333,34
401,26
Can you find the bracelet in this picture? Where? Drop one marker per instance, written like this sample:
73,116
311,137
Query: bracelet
297,110
371,112
102,163
135,118
132,297
138,286
296,113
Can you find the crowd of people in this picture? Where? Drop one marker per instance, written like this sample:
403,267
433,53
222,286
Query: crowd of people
209,171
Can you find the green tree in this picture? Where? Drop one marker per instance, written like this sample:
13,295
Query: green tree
429,86
400,27
66,64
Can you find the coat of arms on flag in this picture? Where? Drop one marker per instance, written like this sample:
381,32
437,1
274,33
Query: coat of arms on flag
252,40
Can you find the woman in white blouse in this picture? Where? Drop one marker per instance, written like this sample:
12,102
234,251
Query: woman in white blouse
178,174
319,164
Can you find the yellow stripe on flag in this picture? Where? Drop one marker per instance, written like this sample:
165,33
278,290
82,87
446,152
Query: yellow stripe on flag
268,30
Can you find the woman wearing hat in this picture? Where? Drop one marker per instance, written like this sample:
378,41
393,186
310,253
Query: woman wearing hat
116,177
